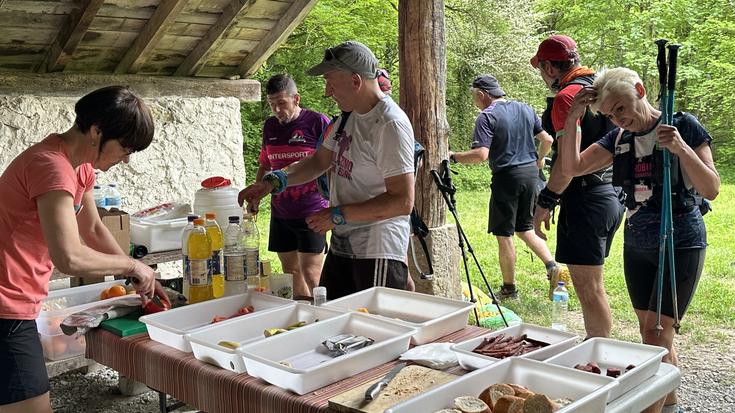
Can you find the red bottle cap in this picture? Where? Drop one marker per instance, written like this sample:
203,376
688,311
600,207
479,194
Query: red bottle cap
216,182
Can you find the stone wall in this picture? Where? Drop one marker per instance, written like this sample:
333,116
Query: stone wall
195,138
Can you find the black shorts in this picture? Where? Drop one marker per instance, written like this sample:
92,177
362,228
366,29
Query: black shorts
512,199
23,373
641,271
587,221
288,235
343,276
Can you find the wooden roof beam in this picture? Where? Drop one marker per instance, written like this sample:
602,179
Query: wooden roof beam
70,36
164,16
198,57
285,26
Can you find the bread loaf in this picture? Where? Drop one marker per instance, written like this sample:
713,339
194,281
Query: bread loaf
539,403
509,404
494,392
469,404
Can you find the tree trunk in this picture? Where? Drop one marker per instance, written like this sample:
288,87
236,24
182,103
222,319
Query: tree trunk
423,91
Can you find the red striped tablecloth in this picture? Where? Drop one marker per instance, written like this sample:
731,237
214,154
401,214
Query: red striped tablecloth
216,390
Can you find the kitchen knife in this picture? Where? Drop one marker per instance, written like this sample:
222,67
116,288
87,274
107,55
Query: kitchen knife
372,392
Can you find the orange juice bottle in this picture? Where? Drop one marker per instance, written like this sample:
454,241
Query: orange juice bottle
199,247
215,235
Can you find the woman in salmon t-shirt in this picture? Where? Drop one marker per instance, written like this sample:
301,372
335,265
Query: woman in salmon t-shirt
47,210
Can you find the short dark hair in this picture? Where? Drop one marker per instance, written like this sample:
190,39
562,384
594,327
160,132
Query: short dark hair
281,83
565,65
119,113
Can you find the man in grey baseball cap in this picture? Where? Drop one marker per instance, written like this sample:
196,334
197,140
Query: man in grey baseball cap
349,56
369,153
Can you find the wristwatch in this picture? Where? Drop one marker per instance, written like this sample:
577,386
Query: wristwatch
337,217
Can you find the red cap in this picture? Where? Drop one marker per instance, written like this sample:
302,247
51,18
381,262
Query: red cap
216,182
556,48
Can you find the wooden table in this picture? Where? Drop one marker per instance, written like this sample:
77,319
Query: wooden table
216,390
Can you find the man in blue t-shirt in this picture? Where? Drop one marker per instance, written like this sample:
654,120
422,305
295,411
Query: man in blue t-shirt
504,134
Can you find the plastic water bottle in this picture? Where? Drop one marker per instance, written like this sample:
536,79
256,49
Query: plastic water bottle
185,253
234,253
215,235
200,271
112,197
99,197
320,295
561,306
251,242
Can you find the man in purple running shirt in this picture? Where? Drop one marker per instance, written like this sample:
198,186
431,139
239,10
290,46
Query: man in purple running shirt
290,135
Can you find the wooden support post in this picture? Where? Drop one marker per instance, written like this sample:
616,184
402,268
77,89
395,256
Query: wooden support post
423,90
286,25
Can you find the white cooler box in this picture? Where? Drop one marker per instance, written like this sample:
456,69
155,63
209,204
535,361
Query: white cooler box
157,236
60,304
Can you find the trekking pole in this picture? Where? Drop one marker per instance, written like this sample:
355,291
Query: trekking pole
673,55
663,100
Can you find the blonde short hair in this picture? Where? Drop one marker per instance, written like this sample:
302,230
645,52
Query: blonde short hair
618,81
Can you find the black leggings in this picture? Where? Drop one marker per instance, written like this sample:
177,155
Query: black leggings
641,268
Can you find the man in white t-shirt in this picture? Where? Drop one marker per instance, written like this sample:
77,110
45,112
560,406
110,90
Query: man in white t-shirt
371,182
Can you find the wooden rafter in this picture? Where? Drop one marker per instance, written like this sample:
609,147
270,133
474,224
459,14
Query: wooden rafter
288,22
194,61
164,16
69,37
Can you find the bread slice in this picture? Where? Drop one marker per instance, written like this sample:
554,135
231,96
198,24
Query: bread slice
491,395
539,403
469,404
509,404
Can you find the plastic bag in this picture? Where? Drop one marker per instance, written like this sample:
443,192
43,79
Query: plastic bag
489,315
163,212
433,355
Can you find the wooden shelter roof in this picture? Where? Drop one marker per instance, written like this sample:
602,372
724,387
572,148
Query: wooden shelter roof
204,38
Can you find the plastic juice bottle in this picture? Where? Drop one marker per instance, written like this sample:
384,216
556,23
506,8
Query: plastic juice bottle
215,235
199,248
186,269
251,241
234,258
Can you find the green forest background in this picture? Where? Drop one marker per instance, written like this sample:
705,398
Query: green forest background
499,37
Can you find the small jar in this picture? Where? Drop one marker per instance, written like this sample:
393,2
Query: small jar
320,295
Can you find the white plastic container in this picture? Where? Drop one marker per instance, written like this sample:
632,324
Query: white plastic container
222,201
171,327
60,346
313,369
157,236
246,330
558,342
606,352
589,394
431,316
56,345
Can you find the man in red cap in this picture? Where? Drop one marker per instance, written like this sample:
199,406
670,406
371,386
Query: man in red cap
591,209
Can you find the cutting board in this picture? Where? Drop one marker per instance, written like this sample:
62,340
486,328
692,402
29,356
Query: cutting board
410,381
125,326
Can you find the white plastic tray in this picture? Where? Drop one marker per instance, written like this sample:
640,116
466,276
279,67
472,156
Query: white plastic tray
312,369
558,342
246,330
431,316
607,352
170,327
589,393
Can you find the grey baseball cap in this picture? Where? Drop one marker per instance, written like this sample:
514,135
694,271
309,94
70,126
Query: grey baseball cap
353,57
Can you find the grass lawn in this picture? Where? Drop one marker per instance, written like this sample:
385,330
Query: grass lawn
708,319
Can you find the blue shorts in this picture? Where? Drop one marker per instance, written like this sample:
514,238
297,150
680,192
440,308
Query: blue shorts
23,374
